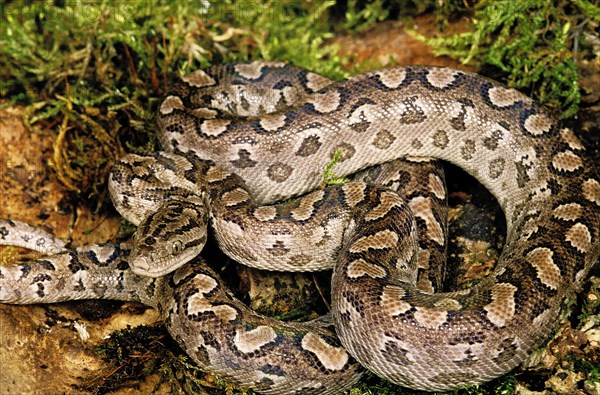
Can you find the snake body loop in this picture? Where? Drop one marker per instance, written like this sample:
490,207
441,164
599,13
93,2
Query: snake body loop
237,138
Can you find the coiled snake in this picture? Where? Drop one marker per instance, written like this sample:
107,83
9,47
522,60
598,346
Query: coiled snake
276,128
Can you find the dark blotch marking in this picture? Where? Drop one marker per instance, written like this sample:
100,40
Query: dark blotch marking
522,176
175,128
244,160
47,265
41,278
412,113
416,144
302,77
458,123
244,140
468,361
496,168
121,282
504,124
309,146
467,338
492,142
384,139
79,287
440,139
506,352
347,150
468,149
396,355
76,265
25,270
40,291
363,125
281,84
554,186
279,172
355,302
278,248
273,370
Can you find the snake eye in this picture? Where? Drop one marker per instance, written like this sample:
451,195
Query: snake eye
177,247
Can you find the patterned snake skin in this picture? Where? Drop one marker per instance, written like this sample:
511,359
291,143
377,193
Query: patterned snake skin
276,128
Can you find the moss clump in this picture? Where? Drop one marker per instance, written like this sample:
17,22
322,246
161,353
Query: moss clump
329,177
93,73
535,42
136,353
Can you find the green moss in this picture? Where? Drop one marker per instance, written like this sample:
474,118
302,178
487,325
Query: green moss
591,370
329,177
590,308
294,31
506,385
95,72
136,353
361,15
534,42
384,388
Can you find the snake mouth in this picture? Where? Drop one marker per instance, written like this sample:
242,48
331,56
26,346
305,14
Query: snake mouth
141,265
148,265
153,264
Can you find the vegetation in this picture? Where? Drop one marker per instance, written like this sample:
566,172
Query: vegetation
93,73
537,43
329,177
140,352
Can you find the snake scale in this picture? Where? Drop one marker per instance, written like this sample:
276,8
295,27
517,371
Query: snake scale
237,138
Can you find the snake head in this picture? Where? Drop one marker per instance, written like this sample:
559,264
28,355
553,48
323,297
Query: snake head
169,238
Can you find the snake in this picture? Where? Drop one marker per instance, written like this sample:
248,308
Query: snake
238,138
